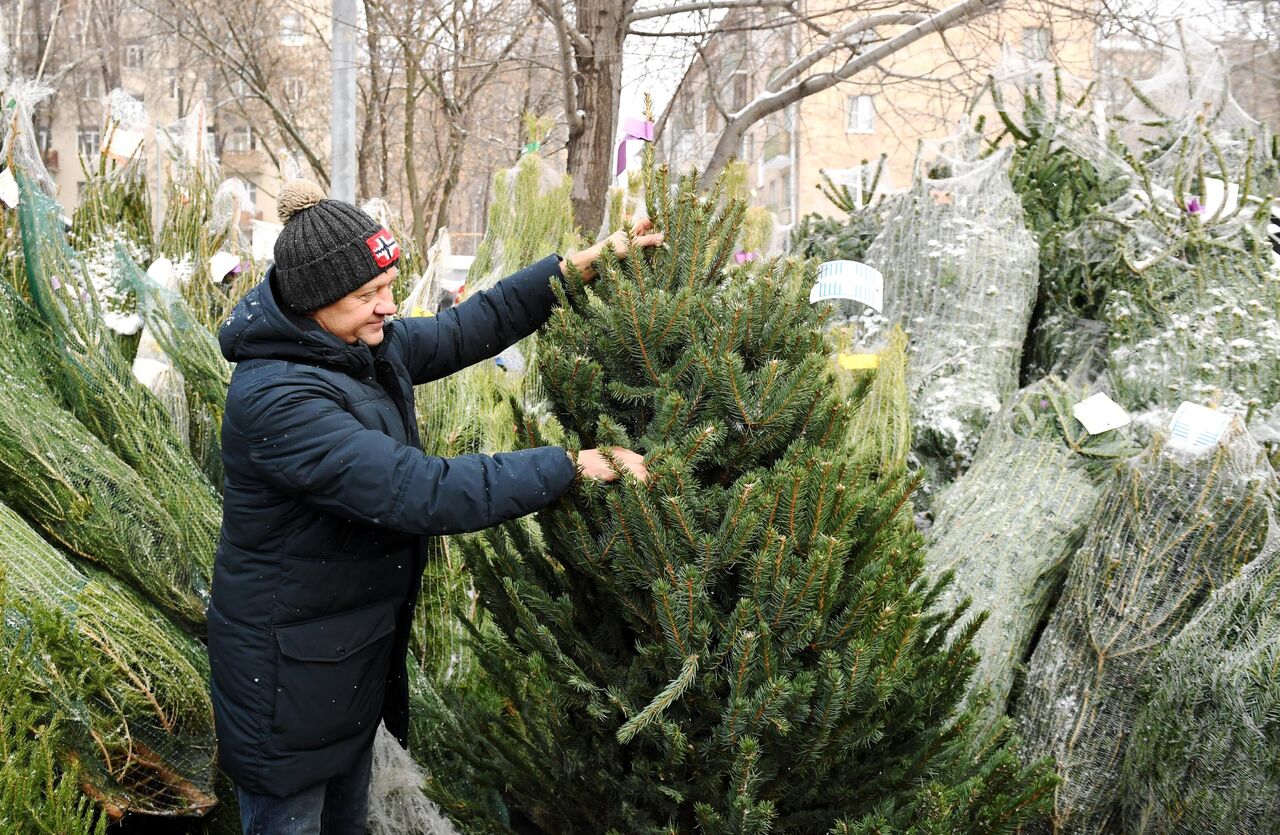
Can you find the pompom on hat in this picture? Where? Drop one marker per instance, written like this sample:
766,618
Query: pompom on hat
327,248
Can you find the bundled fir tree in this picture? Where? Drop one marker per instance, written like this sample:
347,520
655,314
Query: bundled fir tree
745,643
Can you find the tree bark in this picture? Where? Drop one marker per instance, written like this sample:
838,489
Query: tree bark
599,89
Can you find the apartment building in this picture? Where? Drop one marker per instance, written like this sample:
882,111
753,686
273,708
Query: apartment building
919,94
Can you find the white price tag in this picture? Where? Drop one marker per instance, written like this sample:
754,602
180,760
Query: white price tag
123,144
1100,413
851,280
222,263
1197,429
264,239
8,188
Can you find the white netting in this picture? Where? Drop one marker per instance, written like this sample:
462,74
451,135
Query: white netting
397,805
1171,528
230,202
126,124
960,272
1008,527
426,296
1191,88
1205,753
188,148
21,149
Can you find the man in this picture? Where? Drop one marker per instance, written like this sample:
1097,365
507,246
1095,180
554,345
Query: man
328,495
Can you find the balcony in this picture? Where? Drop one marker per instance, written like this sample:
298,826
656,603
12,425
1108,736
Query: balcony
51,160
777,151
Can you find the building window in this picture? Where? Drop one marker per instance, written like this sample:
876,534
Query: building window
291,30
1035,43
91,88
293,88
741,89
43,138
240,88
133,56
252,208
860,114
175,86
89,141
240,140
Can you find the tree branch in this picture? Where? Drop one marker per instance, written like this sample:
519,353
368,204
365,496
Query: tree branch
845,37
705,6
568,72
776,100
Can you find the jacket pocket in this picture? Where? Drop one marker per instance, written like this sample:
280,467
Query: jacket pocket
332,676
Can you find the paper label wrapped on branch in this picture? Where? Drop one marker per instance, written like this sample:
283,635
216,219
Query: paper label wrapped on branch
851,280
123,144
221,264
1197,429
8,188
264,239
1100,413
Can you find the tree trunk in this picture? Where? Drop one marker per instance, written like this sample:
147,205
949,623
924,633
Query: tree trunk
599,83
452,170
418,211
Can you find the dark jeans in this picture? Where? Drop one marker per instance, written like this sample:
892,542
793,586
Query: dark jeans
338,807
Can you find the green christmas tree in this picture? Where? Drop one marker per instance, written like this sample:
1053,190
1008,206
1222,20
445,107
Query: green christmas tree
745,643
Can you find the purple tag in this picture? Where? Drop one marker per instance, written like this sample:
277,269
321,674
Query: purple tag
632,129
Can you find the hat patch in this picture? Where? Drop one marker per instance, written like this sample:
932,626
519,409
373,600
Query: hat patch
384,248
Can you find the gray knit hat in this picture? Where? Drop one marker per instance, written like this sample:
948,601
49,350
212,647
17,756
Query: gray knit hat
327,248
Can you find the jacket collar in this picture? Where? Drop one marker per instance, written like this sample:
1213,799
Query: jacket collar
260,328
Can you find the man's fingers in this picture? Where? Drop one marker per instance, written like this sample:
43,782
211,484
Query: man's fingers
643,225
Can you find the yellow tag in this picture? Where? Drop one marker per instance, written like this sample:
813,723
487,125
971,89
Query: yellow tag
858,362
421,311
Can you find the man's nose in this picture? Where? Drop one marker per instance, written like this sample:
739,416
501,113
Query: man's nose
387,309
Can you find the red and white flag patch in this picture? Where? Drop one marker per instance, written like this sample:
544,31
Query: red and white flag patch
384,248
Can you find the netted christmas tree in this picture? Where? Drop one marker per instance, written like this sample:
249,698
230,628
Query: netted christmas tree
744,643
960,272
530,218
1154,255
1205,754
1007,528
124,687
1172,527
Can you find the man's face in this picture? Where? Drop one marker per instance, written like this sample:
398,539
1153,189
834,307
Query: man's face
360,314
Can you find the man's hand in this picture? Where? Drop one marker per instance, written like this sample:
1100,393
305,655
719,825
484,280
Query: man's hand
585,260
594,465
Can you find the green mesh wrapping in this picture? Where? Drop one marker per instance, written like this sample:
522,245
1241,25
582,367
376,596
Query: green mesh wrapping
127,688
1171,528
1205,753
86,370
78,491
1007,528
191,346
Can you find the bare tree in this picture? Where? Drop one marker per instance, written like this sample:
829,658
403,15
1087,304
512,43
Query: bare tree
449,52
246,52
590,35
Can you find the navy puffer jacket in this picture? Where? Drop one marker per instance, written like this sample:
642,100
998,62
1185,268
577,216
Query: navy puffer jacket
327,499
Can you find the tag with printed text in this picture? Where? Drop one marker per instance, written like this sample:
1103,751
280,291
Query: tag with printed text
1197,429
851,280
